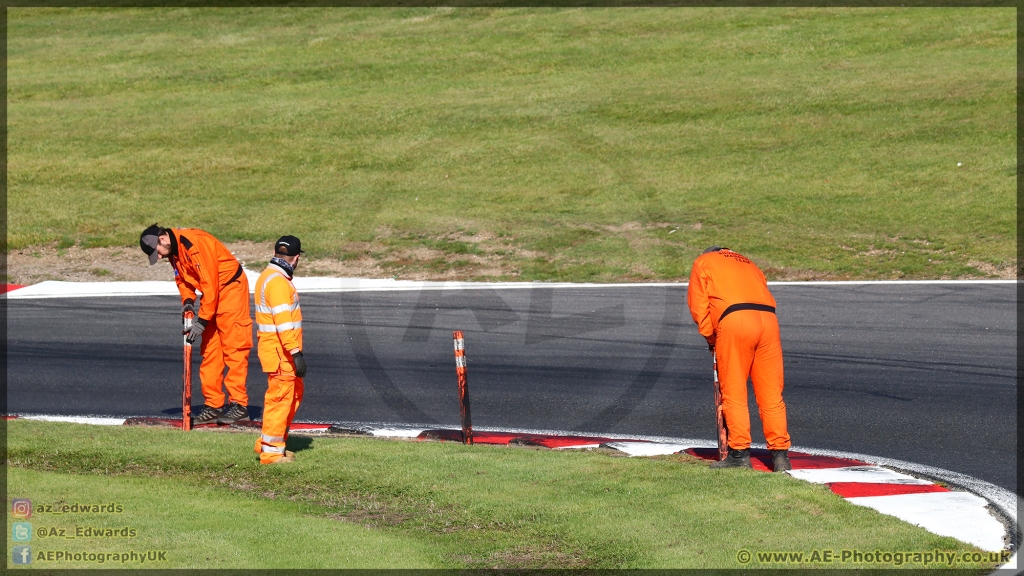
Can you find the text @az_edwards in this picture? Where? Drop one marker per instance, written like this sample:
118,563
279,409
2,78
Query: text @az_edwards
78,508
872,557
85,532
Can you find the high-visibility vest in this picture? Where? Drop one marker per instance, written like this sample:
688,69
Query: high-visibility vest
278,319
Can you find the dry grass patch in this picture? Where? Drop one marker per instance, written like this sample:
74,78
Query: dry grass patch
528,557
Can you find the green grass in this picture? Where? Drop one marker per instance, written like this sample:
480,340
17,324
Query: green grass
371,502
201,526
579,144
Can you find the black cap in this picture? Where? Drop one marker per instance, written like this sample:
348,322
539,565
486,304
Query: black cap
148,241
713,249
288,245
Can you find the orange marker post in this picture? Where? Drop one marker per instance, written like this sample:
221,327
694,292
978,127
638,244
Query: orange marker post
460,372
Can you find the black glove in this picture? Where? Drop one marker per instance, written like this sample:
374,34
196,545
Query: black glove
188,306
197,329
711,343
300,364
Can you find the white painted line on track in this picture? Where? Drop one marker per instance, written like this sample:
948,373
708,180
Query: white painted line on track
317,284
95,420
875,282
959,515
57,289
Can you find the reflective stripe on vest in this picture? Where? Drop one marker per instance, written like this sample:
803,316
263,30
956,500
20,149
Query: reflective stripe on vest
262,306
278,327
276,309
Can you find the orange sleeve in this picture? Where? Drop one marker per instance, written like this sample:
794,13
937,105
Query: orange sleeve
697,299
187,292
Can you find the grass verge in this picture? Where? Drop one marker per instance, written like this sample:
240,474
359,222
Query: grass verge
196,525
534,144
371,502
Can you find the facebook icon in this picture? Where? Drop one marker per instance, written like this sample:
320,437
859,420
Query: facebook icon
21,555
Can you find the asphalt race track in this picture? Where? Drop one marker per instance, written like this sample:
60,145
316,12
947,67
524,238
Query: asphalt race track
918,372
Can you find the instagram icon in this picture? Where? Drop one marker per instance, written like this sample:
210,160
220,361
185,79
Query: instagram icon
21,508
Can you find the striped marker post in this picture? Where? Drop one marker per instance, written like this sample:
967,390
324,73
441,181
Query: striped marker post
186,376
723,430
460,372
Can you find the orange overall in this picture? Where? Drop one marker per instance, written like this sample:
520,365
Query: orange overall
279,331
746,342
203,264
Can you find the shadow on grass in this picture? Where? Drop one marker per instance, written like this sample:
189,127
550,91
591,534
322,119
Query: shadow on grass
298,443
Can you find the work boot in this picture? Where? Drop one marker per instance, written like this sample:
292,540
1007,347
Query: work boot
735,459
780,460
233,413
288,458
209,415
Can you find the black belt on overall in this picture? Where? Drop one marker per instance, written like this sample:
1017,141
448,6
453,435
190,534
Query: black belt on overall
746,306
239,272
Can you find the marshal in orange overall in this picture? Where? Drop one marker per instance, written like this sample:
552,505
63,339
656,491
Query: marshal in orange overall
202,264
729,300
279,331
